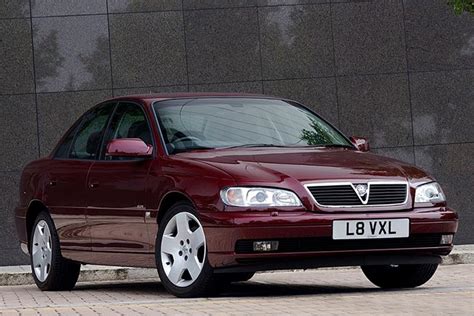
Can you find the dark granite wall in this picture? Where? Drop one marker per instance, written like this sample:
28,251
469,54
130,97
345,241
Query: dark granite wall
398,72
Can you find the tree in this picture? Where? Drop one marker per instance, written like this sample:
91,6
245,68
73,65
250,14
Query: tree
48,58
317,135
461,6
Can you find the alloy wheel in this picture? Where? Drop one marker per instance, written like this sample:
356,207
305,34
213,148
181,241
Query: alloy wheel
183,249
41,251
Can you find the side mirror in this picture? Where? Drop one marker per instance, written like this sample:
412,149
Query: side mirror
361,143
128,147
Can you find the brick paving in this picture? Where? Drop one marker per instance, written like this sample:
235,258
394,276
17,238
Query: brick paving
328,292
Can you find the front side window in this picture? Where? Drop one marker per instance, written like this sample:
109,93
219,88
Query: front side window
89,136
129,121
189,124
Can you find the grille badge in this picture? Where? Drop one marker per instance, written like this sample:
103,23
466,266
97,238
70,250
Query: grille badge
362,191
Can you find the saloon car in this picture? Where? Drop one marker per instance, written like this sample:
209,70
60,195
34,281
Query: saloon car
210,188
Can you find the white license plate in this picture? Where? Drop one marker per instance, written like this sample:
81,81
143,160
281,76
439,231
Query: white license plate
372,228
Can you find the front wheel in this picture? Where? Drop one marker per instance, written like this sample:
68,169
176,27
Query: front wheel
51,271
399,276
181,253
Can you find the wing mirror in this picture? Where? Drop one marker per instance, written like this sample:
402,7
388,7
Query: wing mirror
361,143
128,147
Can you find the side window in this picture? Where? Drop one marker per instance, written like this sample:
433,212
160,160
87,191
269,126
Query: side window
129,121
87,141
63,149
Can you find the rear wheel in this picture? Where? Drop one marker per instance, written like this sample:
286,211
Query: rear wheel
399,276
181,253
51,271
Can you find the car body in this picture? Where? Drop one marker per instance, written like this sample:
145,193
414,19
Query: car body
108,210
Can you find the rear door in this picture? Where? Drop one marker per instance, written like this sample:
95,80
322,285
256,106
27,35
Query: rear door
65,187
116,188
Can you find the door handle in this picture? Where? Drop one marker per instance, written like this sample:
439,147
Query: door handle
93,185
52,183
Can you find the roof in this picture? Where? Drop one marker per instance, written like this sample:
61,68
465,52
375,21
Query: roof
165,96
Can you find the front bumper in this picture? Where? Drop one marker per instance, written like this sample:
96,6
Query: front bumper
225,231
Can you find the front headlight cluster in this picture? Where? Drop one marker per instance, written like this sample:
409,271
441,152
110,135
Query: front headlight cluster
429,193
254,196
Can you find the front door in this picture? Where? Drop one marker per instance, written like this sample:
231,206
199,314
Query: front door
117,200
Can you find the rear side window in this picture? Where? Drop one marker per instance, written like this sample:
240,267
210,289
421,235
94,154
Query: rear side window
88,138
65,146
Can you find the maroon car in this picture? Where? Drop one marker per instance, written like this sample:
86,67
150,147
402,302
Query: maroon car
210,188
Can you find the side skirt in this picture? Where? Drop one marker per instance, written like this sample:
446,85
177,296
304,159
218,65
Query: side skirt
126,259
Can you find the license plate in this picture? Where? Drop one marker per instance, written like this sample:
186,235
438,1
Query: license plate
373,228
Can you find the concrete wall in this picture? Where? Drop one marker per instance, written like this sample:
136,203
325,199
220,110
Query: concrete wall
398,72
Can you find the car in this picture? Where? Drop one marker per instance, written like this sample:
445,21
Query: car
209,188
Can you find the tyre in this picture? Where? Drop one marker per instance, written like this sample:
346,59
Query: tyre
181,253
399,276
224,278
50,270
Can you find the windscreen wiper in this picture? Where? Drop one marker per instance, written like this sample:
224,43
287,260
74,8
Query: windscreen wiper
252,145
182,150
334,146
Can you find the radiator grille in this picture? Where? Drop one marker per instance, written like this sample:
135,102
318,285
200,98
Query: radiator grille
387,194
345,195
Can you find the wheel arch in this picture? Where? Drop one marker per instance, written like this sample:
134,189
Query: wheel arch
34,208
168,200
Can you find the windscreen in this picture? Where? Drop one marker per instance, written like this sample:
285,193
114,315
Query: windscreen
190,124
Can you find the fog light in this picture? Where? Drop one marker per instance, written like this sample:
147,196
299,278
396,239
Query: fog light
265,245
446,239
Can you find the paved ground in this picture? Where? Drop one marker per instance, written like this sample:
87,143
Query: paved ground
336,292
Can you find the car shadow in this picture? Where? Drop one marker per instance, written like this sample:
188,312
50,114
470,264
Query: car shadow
139,287
251,289
241,289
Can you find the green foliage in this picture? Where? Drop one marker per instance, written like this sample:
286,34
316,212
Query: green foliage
317,136
461,6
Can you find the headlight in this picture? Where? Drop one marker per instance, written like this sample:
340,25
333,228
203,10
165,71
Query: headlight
429,193
241,196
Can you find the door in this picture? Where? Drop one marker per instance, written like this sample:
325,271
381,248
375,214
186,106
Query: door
116,188
66,186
